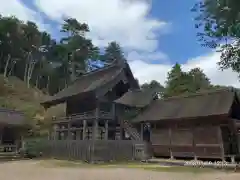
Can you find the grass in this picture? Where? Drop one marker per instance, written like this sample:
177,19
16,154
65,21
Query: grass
130,165
14,94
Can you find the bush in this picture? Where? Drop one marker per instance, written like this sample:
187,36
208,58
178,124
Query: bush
34,147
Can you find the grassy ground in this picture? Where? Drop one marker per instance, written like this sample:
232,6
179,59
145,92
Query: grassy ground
14,94
134,165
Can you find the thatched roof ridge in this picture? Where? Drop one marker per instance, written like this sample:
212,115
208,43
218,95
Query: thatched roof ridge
90,82
202,104
137,98
12,117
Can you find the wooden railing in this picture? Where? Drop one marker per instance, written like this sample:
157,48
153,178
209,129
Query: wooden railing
134,134
84,116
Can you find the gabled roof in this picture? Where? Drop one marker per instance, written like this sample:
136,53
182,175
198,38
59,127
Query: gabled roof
137,98
11,117
89,82
204,104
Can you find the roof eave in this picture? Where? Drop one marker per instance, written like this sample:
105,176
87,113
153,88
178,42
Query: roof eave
54,102
139,120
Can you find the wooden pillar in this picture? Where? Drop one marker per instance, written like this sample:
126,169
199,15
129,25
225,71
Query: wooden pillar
221,142
142,131
1,134
95,129
49,134
170,142
122,135
106,130
95,124
77,135
84,129
69,137
113,110
238,139
22,142
194,143
150,132
55,126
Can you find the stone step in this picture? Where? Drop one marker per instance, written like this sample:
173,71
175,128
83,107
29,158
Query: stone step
9,156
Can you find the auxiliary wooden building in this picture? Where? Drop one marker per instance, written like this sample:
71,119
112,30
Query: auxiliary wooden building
203,125
12,129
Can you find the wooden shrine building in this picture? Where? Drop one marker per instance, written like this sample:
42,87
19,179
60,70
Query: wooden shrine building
93,119
90,108
203,125
12,128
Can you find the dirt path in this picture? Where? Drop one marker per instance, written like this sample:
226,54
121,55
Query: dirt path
31,170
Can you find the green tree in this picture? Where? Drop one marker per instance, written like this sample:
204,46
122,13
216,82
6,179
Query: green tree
78,48
113,53
199,80
10,40
31,47
177,82
154,85
218,22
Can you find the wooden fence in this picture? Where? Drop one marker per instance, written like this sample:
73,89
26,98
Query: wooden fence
99,150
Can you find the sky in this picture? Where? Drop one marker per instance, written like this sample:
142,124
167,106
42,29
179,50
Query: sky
155,34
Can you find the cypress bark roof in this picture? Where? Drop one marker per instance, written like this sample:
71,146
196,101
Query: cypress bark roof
217,102
137,98
11,117
89,82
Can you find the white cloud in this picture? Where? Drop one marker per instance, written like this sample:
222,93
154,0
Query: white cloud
156,56
18,9
146,72
124,21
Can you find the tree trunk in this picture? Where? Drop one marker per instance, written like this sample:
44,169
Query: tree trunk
26,67
65,82
37,81
6,66
12,68
48,83
30,72
73,72
1,55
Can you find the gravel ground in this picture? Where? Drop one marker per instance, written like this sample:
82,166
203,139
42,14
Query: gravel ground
32,170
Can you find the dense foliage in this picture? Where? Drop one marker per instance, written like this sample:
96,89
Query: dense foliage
41,61
179,82
218,22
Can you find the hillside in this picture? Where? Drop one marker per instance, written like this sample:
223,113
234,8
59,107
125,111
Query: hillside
15,94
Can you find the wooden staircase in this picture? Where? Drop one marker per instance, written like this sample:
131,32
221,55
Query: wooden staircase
132,131
142,148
